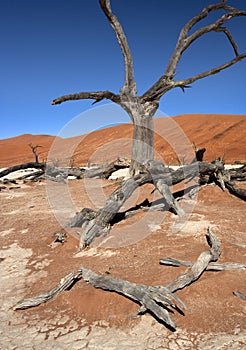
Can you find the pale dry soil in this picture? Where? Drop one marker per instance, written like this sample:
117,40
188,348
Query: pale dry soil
87,318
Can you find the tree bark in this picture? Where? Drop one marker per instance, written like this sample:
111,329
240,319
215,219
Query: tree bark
142,143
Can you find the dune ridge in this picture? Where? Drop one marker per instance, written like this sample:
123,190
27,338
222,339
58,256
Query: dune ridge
222,135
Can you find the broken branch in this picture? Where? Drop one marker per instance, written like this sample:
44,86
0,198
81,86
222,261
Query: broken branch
211,267
97,96
65,283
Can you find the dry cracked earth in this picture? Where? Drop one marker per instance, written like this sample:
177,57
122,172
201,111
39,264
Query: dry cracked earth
87,318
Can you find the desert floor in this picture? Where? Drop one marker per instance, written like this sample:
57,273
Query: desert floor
87,318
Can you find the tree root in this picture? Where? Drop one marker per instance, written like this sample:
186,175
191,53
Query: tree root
157,174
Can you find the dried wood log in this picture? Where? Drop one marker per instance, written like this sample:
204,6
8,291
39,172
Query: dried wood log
240,295
77,172
84,216
107,169
58,178
32,176
211,267
11,169
64,284
238,174
155,299
148,297
195,270
235,190
101,172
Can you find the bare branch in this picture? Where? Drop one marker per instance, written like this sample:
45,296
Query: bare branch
211,267
166,82
201,264
130,84
64,284
97,96
183,83
230,38
185,40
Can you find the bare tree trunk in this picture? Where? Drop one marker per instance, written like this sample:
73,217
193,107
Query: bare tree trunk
143,143
141,114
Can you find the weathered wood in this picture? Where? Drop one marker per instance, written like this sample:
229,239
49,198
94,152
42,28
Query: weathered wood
238,174
211,267
155,299
148,297
235,190
105,215
32,176
65,283
186,38
97,96
104,171
22,167
172,203
129,85
143,137
85,215
100,225
195,270
100,172
240,295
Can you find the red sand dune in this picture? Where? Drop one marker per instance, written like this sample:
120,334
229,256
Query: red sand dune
222,135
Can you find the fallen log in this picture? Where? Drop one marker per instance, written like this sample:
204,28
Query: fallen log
149,298
155,299
106,170
29,165
235,190
238,174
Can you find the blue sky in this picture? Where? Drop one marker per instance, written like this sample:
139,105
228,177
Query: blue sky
54,47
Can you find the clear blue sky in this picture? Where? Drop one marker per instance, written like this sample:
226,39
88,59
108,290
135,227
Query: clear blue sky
54,47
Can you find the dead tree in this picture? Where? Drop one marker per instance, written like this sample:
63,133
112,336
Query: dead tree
141,109
35,151
143,169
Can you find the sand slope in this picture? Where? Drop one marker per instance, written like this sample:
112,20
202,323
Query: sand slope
222,135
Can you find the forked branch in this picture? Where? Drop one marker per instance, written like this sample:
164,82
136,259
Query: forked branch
187,81
166,81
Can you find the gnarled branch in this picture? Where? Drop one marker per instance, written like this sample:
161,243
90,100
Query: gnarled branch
166,81
182,83
130,85
97,96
